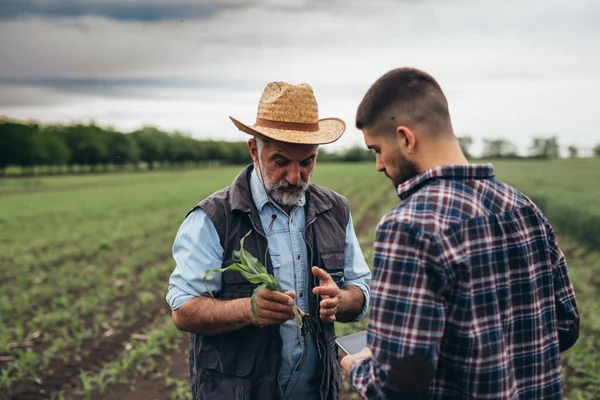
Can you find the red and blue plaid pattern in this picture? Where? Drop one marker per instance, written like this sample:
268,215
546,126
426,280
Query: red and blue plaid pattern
468,274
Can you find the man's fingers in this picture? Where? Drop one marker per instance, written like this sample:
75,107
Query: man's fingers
321,274
329,303
327,318
330,291
346,364
347,361
275,296
291,293
274,316
273,306
327,311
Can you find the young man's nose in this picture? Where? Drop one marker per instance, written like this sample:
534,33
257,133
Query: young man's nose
379,164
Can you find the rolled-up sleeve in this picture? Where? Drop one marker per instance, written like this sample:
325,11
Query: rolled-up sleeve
196,249
356,269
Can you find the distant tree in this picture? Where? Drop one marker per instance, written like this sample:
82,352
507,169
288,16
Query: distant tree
545,148
573,150
358,154
329,156
597,151
498,148
7,140
88,145
217,151
239,153
152,143
176,150
200,152
465,143
22,145
123,149
55,150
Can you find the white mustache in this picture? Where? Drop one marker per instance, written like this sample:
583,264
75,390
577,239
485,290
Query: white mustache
286,185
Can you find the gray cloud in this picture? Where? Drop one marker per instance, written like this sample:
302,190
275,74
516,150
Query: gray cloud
122,10
509,68
151,87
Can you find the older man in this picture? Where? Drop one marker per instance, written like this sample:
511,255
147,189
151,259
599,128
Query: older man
302,233
471,292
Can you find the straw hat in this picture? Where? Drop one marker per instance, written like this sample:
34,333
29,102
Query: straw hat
289,113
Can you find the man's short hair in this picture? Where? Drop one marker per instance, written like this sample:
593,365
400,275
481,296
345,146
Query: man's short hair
405,96
261,143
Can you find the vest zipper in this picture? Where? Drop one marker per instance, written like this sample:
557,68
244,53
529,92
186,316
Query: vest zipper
311,250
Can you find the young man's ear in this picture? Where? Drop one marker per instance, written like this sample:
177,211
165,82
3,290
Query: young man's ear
406,138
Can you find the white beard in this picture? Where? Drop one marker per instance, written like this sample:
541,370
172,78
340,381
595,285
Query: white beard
285,198
280,196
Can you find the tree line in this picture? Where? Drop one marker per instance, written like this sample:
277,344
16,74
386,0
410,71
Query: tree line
540,148
60,148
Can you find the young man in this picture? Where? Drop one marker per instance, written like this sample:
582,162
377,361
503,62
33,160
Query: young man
302,233
471,296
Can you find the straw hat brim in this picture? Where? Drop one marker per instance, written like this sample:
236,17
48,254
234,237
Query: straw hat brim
330,130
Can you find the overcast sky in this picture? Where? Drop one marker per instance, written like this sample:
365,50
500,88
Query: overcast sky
510,69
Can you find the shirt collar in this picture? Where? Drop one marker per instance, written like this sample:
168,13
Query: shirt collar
259,195
455,172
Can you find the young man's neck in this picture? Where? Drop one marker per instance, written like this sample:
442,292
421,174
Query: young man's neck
448,153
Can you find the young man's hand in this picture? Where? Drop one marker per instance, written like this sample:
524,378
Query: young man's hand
347,361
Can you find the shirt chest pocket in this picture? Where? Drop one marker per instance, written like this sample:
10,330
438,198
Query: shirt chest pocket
333,264
277,262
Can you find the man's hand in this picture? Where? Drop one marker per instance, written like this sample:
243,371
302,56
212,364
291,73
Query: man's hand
330,294
347,361
272,307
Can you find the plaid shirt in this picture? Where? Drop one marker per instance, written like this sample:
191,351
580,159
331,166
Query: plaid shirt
468,274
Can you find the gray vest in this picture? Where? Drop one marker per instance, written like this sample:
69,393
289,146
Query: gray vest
245,364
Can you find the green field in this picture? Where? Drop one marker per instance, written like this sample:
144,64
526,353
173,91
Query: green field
85,261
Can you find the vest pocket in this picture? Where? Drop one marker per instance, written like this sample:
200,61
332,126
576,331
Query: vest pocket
224,375
333,263
236,286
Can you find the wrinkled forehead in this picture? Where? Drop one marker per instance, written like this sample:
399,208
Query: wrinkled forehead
291,151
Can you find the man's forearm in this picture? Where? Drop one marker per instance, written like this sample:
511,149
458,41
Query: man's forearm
351,304
208,316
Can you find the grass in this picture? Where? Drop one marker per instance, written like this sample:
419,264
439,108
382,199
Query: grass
566,190
83,256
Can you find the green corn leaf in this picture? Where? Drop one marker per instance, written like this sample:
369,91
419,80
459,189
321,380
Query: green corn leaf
206,275
253,303
257,278
275,286
248,259
242,269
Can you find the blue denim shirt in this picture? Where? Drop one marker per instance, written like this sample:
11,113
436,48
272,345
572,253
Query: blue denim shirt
197,249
